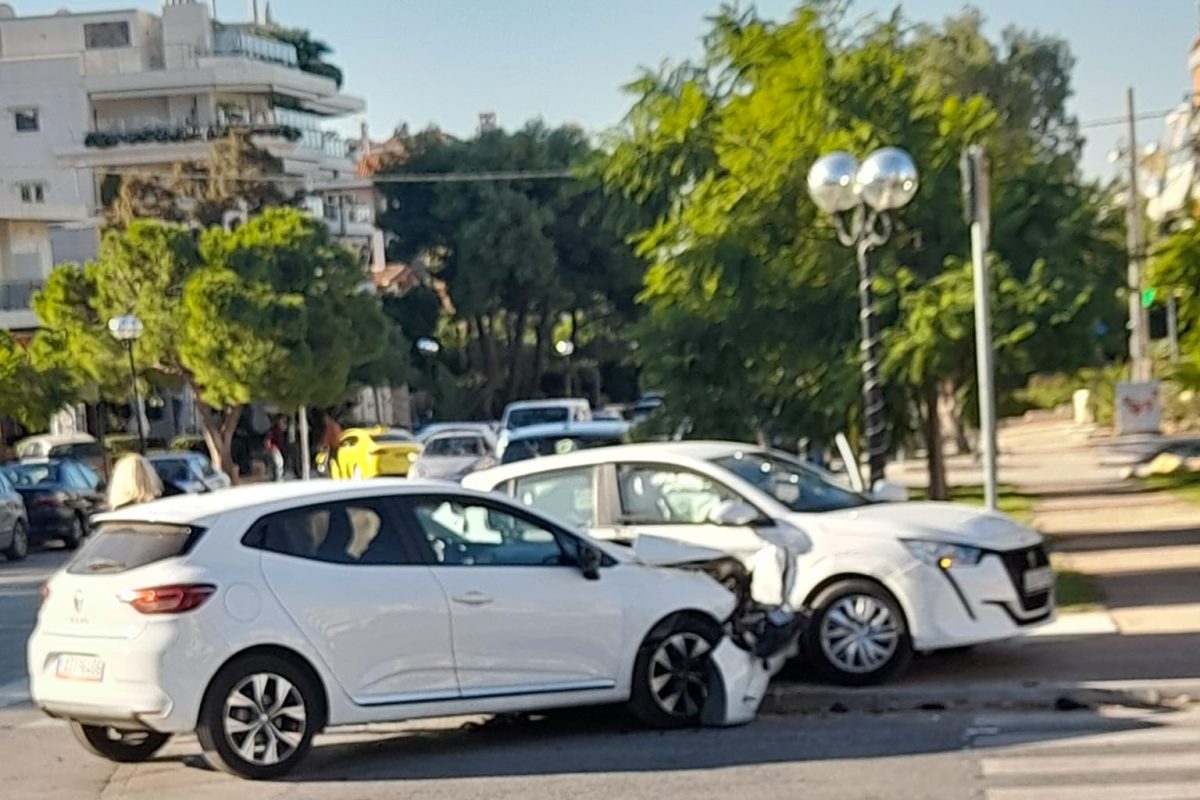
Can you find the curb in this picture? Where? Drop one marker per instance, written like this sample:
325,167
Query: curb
794,698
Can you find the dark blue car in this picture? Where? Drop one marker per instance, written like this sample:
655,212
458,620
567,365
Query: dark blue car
60,497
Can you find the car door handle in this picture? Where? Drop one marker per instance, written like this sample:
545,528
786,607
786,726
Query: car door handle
472,599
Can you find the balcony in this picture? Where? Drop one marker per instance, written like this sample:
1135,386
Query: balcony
235,42
119,133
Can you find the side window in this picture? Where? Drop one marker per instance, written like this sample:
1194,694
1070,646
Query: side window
5,486
476,534
664,495
568,495
73,477
354,532
349,441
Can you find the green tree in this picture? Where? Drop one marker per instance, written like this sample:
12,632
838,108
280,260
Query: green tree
715,153
32,386
310,52
270,312
513,255
1175,269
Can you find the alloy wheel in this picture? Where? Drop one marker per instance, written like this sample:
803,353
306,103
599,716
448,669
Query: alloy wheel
859,634
679,674
265,718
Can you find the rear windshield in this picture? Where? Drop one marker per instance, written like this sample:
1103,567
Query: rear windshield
524,449
524,417
26,475
121,546
392,436
79,450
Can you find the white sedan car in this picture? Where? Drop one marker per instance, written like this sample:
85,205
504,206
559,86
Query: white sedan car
880,579
258,616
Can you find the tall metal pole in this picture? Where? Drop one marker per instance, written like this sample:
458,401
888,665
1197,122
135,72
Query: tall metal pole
137,399
975,172
305,454
874,421
1138,318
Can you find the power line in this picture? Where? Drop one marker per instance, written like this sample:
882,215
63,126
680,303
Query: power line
1122,120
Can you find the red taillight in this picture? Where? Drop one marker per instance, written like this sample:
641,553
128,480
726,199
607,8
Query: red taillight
169,599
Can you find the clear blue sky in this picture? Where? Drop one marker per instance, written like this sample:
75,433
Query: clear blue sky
444,61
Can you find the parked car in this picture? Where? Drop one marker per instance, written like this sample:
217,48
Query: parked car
534,441
14,522
188,473
522,413
450,454
881,579
81,447
261,615
60,496
372,452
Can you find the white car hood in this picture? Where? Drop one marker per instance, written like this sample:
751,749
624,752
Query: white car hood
659,552
944,522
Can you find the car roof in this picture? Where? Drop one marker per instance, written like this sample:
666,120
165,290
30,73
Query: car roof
59,438
452,432
176,456
644,451
596,427
193,508
547,402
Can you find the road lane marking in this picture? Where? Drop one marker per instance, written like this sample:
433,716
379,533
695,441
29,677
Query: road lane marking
1090,764
1105,791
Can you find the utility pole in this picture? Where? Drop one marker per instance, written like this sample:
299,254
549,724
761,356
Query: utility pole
976,202
1139,320
1173,325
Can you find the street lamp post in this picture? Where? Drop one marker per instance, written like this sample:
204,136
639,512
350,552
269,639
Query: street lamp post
859,198
429,348
127,330
566,349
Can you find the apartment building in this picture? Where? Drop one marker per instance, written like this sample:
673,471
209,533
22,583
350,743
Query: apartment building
87,95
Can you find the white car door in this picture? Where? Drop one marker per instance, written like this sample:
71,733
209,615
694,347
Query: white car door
676,503
363,597
525,619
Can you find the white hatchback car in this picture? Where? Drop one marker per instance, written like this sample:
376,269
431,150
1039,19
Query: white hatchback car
260,615
880,579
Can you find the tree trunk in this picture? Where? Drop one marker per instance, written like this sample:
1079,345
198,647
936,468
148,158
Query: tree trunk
931,429
954,417
541,337
487,350
218,427
516,345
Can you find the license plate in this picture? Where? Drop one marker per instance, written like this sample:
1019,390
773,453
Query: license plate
1039,580
79,668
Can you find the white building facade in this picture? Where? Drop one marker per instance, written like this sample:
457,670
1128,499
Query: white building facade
87,95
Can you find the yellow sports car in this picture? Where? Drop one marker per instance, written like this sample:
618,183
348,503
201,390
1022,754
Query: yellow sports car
372,452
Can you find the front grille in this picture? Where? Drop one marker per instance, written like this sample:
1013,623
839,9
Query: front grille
1017,563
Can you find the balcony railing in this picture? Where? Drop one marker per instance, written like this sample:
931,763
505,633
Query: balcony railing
173,133
235,42
18,295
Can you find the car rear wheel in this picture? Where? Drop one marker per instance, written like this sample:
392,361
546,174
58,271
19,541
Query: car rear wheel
673,673
857,635
19,547
75,533
258,718
123,747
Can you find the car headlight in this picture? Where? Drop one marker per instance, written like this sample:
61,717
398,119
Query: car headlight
943,554
412,456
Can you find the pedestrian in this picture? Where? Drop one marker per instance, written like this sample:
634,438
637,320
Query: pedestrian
275,442
133,481
331,437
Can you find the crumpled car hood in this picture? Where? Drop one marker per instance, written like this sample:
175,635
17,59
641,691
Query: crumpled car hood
947,522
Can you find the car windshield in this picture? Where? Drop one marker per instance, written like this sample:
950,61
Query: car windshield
524,417
33,474
523,449
172,471
455,446
797,486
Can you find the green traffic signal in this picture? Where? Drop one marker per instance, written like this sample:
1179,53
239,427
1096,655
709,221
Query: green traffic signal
1148,296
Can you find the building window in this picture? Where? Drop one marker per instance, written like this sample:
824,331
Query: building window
27,120
32,192
100,35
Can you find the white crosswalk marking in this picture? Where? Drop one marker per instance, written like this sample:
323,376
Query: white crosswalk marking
1118,755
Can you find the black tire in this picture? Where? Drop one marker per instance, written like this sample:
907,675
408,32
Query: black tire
298,714
74,535
123,747
872,649
674,662
18,548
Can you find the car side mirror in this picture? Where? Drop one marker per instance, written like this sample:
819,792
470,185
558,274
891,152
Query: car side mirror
888,492
734,513
589,562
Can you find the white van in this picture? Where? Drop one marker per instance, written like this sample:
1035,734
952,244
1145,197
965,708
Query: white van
522,413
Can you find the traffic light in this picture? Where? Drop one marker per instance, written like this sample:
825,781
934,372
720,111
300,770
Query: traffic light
1148,296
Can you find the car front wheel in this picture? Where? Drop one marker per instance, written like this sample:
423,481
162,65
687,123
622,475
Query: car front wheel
123,747
673,673
259,718
857,635
75,533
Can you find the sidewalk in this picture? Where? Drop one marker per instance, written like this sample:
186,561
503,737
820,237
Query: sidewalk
1141,548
